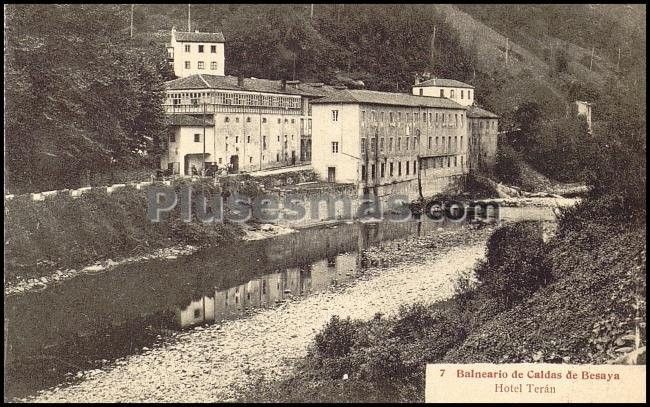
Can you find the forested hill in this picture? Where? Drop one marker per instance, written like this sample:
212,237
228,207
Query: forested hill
82,95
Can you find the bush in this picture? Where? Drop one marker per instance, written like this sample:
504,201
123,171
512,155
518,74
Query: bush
512,273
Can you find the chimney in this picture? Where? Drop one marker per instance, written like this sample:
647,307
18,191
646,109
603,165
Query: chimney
240,81
283,84
417,79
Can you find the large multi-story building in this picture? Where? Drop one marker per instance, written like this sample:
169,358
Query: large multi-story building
390,143
249,123
191,53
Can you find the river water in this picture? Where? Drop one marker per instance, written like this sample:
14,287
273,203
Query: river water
91,320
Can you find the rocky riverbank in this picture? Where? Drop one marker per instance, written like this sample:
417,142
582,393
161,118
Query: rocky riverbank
213,363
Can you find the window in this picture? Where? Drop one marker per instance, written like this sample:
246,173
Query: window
187,64
382,117
430,138
462,94
200,65
456,117
406,164
373,118
278,138
461,159
469,94
383,170
399,116
363,115
416,117
390,169
399,168
172,138
456,141
451,93
187,47
372,144
414,167
248,120
263,119
236,139
293,121
248,139
335,115
277,156
442,93
390,117
363,172
455,161
381,144
197,313
200,48
461,141
421,91
335,147
372,171
250,160
399,144
227,119
436,141
213,66
263,142
236,119
363,144
406,145
197,138
430,117
408,117
213,49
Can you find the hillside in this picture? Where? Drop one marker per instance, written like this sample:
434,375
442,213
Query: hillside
60,81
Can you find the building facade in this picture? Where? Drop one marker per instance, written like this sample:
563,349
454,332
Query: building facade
483,127
191,53
381,141
459,92
251,124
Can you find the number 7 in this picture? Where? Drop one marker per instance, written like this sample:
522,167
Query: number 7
442,372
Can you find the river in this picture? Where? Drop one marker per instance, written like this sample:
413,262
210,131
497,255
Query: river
88,322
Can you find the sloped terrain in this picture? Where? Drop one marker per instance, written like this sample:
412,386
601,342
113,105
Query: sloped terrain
582,317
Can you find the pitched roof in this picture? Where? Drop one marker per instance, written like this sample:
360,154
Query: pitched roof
452,83
229,82
199,37
387,98
475,111
187,120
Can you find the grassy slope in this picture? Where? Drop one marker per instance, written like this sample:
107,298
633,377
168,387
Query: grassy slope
580,315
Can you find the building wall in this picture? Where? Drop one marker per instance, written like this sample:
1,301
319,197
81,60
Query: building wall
483,142
184,144
194,56
345,132
396,143
462,96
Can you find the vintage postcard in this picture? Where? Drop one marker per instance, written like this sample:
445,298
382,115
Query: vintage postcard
420,203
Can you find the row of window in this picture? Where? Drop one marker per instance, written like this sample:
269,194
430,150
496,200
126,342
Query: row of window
426,117
451,93
201,65
442,162
488,124
413,142
201,47
408,165
241,99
